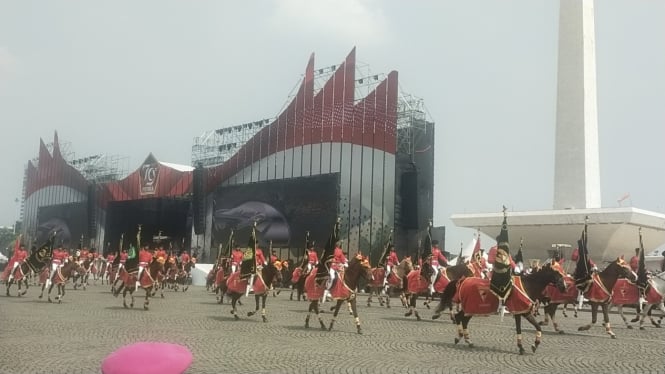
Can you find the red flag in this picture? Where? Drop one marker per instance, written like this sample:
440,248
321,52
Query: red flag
476,249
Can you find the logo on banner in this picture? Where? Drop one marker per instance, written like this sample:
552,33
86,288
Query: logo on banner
148,178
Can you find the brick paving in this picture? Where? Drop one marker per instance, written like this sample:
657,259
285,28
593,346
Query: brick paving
75,336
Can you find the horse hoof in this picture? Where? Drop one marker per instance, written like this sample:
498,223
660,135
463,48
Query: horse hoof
249,314
642,327
561,332
613,336
369,305
543,323
471,345
145,307
162,296
306,324
236,317
533,348
629,327
635,319
264,318
521,351
330,328
436,316
457,340
131,305
408,314
418,317
125,305
583,328
388,306
49,300
360,331
323,327
427,305
40,296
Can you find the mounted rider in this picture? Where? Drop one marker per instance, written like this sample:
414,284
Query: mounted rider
59,257
391,261
20,254
145,257
438,261
338,263
236,259
312,257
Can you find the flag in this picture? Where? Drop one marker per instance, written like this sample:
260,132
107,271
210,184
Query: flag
328,252
501,281
426,250
519,258
476,248
386,250
248,264
582,273
641,267
42,257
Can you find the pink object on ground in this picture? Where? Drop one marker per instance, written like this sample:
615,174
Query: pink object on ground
148,358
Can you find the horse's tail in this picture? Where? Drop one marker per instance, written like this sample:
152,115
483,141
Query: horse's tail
447,295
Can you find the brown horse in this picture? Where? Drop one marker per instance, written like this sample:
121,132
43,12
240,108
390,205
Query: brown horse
263,282
417,283
298,278
599,292
343,289
448,275
394,283
475,298
148,281
552,298
60,278
20,276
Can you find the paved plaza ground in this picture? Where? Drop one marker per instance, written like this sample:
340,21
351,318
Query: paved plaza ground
75,336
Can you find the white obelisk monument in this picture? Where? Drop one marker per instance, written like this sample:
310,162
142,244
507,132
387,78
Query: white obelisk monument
577,168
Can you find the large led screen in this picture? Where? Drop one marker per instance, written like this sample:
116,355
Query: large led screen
284,211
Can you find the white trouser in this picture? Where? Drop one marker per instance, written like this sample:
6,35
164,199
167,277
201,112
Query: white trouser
234,267
388,270
250,284
332,275
433,278
11,274
54,269
309,266
138,277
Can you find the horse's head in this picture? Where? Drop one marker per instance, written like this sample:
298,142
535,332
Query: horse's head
272,272
620,269
555,274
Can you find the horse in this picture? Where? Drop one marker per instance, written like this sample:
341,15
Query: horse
184,276
343,289
475,298
60,278
82,274
598,291
263,282
395,282
552,298
448,275
20,276
298,283
147,282
654,295
417,282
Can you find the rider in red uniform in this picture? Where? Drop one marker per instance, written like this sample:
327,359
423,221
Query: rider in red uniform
57,261
184,259
19,257
635,261
391,261
339,262
145,257
438,260
260,259
236,259
312,258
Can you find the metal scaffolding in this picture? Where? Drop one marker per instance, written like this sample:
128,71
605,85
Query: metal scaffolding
412,119
217,146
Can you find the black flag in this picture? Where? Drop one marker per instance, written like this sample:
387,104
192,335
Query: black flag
42,257
386,250
502,281
582,273
248,265
328,252
641,267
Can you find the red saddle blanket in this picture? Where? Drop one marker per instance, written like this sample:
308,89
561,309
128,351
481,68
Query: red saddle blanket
219,277
314,290
295,276
340,291
441,283
558,297
416,283
378,274
518,302
394,280
625,293
597,291
237,285
475,297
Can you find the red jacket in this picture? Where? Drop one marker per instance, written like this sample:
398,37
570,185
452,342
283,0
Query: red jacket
338,256
438,258
260,259
20,255
392,258
59,256
236,256
312,257
145,256
184,258
123,257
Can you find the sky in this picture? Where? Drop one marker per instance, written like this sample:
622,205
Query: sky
132,77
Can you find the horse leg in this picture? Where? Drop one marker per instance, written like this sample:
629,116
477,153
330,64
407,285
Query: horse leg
354,310
518,331
539,332
465,330
146,302
369,299
458,321
552,314
263,308
623,317
49,292
256,299
412,307
43,287
9,285
594,317
234,302
61,295
332,321
606,320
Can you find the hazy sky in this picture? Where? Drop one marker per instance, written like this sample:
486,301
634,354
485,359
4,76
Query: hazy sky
130,77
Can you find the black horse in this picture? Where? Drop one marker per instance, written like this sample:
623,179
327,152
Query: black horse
521,301
269,275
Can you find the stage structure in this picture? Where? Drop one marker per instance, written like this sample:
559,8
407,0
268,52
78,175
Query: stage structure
347,144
